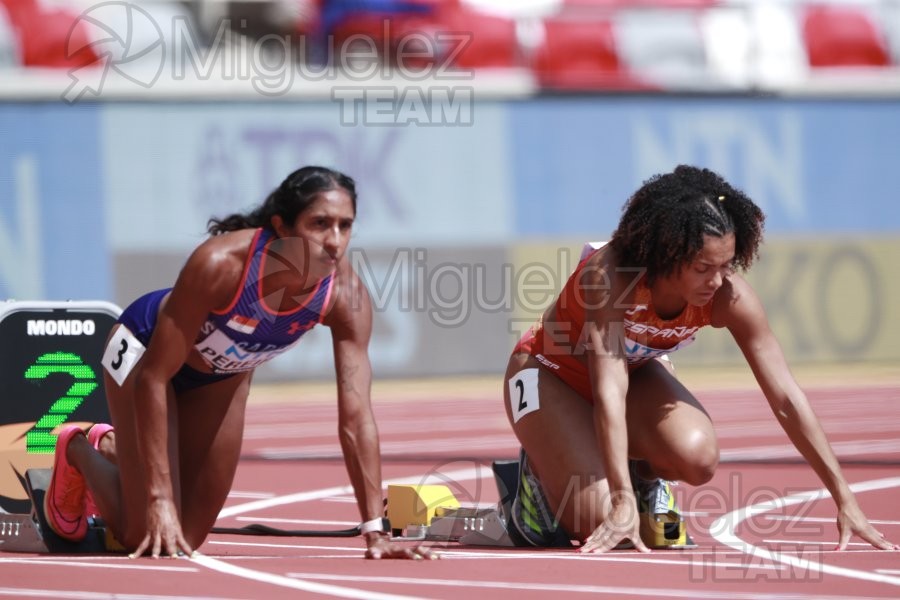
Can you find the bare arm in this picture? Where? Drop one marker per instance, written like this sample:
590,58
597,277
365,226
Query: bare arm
206,282
743,314
350,320
604,343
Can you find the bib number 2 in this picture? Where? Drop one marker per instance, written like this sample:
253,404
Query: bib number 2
523,393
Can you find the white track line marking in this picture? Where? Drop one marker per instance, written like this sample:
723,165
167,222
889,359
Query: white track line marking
96,565
830,543
249,495
73,595
823,519
287,582
357,549
844,449
460,475
724,531
230,511
299,521
665,592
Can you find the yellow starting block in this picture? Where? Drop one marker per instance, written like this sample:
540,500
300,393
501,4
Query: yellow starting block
414,506
433,513
665,531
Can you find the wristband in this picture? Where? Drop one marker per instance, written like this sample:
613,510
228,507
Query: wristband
376,524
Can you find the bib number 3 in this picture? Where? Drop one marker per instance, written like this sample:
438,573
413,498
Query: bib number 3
523,393
122,352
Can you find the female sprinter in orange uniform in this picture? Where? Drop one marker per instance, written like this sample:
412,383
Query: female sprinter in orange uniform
589,386
178,367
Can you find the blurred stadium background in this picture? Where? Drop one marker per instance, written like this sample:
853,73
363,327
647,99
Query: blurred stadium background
489,139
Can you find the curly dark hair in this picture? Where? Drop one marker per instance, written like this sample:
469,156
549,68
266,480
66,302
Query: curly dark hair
295,194
663,223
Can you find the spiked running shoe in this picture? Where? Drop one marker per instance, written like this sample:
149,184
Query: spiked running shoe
530,513
64,501
94,435
653,496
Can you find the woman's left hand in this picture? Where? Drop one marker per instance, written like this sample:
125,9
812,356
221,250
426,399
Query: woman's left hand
851,521
380,546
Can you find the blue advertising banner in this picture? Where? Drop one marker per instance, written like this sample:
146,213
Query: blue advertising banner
52,226
812,165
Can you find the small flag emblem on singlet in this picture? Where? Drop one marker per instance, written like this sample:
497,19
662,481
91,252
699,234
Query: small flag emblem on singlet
243,324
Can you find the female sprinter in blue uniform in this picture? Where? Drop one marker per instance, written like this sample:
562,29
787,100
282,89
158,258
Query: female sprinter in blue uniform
178,366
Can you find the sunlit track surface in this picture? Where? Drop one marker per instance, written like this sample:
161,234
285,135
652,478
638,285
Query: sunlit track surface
756,539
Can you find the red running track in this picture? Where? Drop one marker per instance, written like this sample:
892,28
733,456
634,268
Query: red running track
763,530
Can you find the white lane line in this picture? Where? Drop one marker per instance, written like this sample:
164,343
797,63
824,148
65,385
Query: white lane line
724,531
357,549
299,521
700,562
98,565
287,582
250,495
889,571
831,543
823,519
690,560
309,586
843,449
91,595
438,478
666,592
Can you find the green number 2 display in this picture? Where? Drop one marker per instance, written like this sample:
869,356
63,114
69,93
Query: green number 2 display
39,440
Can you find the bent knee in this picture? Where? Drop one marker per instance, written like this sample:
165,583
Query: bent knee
702,461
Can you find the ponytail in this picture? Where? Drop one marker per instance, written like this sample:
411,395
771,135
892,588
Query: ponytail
295,194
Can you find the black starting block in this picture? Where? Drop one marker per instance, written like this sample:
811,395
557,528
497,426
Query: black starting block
31,533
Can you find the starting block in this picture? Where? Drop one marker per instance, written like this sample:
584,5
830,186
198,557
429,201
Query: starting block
665,531
30,532
433,513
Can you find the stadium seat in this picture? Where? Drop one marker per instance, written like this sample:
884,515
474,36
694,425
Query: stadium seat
665,46
9,41
607,4
580,54
372,19
843,36
491,40
49,36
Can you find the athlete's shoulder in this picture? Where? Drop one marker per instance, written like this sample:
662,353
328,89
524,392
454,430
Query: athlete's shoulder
216,265
222,250
735,298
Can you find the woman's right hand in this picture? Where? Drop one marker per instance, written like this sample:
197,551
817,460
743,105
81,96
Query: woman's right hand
622,523
163,532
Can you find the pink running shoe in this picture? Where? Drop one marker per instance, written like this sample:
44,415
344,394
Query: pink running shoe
64,500
94,435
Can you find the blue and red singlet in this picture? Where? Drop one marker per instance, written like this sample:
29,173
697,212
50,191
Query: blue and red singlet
245,334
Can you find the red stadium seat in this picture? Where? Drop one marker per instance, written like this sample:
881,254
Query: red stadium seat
578,54
491,40
468,39
606,4
47,35
843,36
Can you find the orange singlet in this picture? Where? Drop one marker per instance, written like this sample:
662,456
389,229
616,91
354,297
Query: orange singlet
647,336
